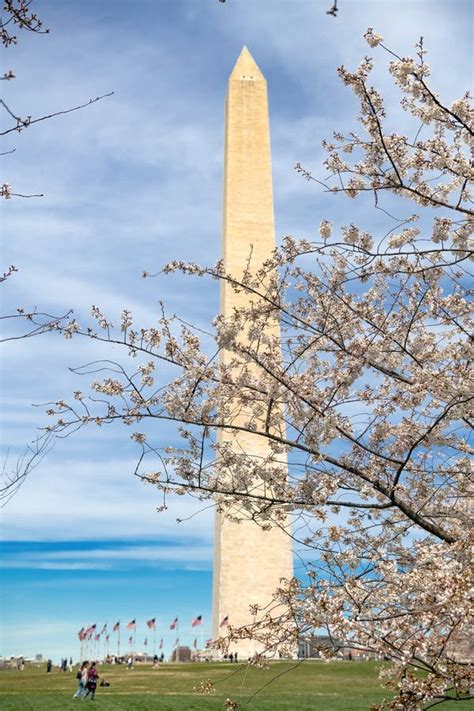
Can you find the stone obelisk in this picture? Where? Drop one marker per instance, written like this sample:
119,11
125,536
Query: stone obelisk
248,561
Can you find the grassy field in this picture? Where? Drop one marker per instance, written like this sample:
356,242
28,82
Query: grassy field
311,686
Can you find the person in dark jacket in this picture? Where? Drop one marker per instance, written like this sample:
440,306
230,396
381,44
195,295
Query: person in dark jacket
91,682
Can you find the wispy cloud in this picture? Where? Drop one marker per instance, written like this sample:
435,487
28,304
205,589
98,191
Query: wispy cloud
86,499
117,557
51,565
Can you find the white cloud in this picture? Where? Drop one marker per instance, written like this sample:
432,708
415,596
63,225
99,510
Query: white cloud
114,557
83,499
39,565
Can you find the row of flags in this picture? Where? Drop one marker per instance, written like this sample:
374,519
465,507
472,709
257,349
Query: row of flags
88,633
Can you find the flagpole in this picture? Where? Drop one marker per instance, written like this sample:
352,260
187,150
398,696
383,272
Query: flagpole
177,646
118,642
154,639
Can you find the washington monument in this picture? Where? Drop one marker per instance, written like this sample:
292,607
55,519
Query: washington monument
248,562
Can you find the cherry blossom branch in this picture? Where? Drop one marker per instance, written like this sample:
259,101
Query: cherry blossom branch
25,123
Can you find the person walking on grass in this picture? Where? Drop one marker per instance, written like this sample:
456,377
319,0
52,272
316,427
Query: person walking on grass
82,679
91,685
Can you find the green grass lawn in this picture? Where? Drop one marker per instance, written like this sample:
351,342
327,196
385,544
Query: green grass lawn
311,686
308,686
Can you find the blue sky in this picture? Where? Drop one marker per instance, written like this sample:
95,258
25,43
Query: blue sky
129,184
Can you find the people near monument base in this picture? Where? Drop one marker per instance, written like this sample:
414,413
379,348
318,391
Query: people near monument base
82,676
130,663
232,657
49,666
91,683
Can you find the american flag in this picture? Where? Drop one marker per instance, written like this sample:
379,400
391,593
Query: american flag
89,632
225,621
80,634
116,627
177,642
97,637
197,621
130,640
174,624
151,623
145,642
195,643
104,629
132,624
107,637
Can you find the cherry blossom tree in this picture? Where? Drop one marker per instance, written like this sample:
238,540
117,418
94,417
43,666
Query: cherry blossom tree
366,395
